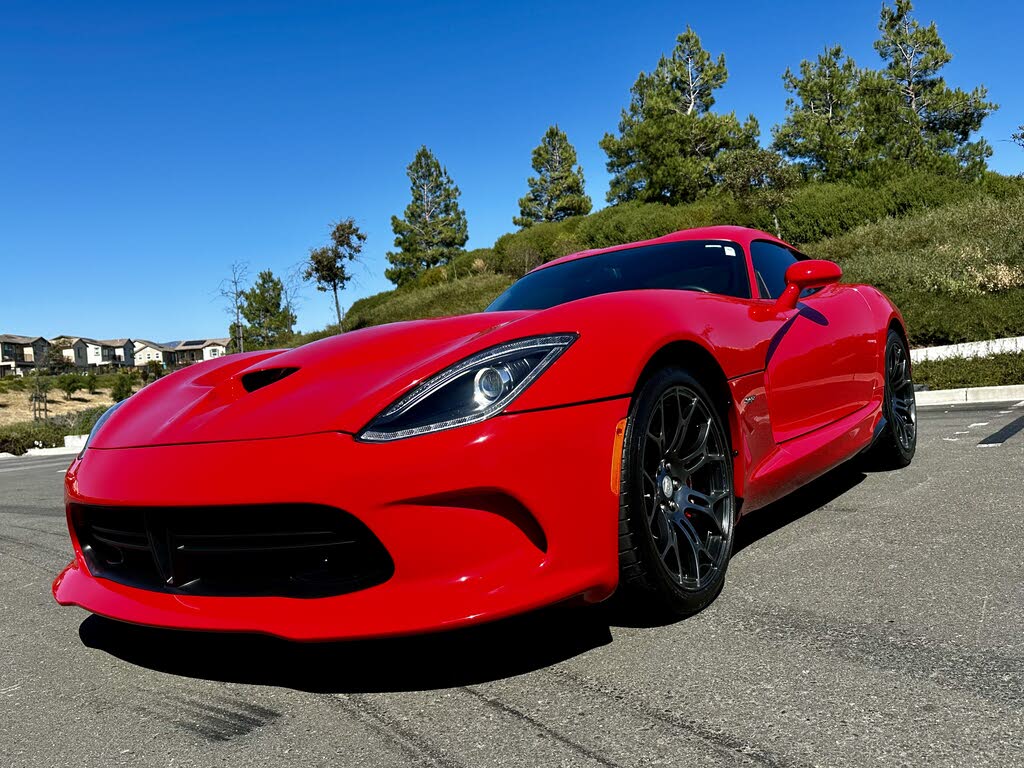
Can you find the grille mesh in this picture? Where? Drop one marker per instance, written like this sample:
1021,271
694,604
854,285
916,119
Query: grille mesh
287,550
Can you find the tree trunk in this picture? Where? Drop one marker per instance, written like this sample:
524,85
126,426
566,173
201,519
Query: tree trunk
337,307
238,326
778,229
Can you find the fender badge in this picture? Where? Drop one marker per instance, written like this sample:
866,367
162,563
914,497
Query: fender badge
749,399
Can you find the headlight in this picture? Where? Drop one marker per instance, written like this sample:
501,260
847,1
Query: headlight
469,391
99,423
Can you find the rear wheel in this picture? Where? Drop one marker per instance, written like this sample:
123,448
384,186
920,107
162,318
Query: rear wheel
677,505
895,446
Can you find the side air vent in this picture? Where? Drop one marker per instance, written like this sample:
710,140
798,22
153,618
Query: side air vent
260,379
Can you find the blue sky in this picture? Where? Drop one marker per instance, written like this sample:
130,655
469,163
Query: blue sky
146,146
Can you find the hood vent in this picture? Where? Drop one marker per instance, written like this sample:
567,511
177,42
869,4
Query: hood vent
260,379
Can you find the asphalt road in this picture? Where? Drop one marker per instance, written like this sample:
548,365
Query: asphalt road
867,620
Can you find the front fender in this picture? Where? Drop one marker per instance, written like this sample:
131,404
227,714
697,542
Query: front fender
619,333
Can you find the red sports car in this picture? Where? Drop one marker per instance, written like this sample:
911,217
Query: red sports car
605,422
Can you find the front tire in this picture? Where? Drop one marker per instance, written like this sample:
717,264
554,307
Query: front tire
677,503
896,444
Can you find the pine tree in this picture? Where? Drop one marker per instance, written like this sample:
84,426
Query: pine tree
1018,137
556,192
267,312
326,265
911,118
668,137
821,128
434,229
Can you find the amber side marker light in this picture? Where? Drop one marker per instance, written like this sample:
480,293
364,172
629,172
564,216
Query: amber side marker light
620,436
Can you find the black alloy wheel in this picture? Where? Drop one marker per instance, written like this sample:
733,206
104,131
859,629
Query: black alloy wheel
678,505
902,403
895,446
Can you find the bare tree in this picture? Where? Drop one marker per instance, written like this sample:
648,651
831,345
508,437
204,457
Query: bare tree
231,290
291,296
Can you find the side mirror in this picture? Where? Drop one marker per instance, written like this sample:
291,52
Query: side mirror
811,273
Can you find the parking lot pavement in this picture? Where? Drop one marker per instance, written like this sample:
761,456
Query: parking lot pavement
869,619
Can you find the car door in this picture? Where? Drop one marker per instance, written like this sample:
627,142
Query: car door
820,356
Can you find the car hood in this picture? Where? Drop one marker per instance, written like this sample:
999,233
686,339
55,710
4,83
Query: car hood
336,384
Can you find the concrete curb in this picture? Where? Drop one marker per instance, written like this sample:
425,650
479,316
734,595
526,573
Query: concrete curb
970,395
62,451
968,349
73,444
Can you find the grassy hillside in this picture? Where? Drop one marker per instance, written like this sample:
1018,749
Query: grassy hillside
956,272
951,253
459,296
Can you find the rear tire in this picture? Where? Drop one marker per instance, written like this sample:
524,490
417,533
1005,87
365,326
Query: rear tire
895,446
677,505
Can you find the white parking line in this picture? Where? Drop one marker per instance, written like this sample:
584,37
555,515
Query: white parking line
978,424
24,467
1018,405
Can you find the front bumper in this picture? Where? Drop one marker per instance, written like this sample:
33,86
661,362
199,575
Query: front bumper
482,522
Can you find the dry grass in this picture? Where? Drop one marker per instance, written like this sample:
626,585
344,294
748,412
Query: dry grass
16,407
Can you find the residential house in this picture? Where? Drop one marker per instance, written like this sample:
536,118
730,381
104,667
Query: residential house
197,350
124,351
90,353
78,351
19,354
145,351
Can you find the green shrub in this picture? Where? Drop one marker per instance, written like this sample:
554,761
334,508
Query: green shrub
82,422
470,294
69,383
13,384
999,186
363,308
305,338
819,211
996,370
636,221
122,388
106,380
473,262
19,437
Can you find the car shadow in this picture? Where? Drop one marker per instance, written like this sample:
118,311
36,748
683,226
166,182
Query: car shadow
449,659
455,658
800,503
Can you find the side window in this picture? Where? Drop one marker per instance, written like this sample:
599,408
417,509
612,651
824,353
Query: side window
770,264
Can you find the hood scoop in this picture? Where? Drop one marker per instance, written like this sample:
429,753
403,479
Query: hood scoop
263,378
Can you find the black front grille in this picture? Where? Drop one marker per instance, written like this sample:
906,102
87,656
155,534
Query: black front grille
287,550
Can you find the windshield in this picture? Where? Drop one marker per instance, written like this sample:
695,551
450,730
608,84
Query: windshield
712,266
